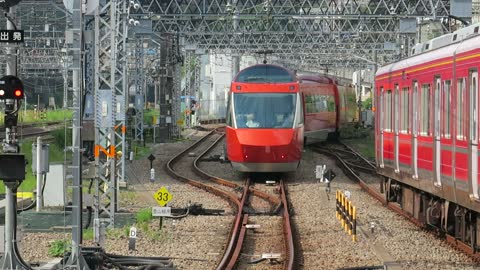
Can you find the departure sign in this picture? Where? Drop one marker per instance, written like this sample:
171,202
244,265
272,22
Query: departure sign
11,35
5,4
162,196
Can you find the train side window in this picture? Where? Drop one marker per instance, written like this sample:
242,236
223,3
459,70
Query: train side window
405,105
331,104
299,110
229,111
425,107
309,103
446,108
415,108
388,111
473,97
460,109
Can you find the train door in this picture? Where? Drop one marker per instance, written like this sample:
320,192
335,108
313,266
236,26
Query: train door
436,136
380,109
415,130
396,123
473,133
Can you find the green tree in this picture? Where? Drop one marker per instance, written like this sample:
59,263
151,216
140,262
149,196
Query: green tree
367,104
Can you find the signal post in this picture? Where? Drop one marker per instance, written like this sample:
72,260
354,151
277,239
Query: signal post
12,168
12,163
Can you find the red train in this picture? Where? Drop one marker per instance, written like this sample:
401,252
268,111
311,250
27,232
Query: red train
266,119
329,106
427,129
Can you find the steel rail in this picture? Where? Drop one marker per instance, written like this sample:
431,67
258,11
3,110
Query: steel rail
230,197
229,251
169,168
287,228
272,199
348,171
360,156
448,238
238,235
238,232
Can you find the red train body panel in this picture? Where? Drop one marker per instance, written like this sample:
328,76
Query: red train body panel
270,111
329,105
426,120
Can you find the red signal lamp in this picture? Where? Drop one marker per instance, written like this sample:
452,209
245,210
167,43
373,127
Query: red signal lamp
18,93
11,88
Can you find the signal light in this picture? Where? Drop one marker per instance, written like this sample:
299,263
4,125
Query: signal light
12,88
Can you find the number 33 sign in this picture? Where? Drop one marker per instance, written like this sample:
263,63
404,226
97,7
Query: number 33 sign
162,196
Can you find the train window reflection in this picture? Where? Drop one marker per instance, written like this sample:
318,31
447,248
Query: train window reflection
388,111
425,110
319,103
404,103
265,74
264,110
460,109
446,109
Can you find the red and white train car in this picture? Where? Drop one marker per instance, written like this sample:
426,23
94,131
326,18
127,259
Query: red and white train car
427,132
271,112
264,130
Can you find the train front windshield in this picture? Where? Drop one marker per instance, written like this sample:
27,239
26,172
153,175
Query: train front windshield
264,110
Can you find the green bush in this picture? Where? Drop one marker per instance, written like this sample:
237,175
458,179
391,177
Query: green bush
367,104
144,215
88,234
58,248
62,137
119,232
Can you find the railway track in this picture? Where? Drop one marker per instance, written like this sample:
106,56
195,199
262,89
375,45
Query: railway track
352,162
240,197
34,130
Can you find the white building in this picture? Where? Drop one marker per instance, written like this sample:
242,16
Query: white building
215,79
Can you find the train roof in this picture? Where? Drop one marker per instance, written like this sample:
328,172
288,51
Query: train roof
462,40
265,73
323,78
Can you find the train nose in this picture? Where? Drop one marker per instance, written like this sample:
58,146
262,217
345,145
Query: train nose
267,153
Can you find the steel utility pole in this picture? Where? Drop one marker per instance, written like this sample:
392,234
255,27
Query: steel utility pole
76,260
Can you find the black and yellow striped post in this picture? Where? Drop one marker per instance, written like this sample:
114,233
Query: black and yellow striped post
337,204
354,224
346,213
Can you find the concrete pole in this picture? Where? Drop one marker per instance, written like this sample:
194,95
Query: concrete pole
235,58
155,85
39,174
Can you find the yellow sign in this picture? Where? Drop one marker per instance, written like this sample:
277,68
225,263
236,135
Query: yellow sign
180,122
162,196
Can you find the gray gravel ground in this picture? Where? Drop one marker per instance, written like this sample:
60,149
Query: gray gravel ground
197,242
